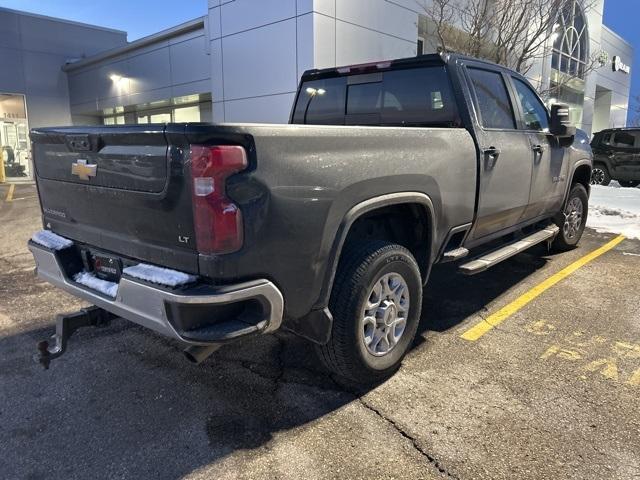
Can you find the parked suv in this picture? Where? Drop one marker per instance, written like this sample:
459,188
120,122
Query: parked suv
616,153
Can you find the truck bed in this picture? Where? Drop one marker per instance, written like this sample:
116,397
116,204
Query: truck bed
300,183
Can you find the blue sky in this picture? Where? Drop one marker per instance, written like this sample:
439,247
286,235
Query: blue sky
144,17
137,17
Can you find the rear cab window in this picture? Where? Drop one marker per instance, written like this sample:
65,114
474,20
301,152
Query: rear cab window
415,97
322,102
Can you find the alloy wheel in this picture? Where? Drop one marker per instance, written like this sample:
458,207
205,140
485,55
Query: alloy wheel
597,176
573,218
384,316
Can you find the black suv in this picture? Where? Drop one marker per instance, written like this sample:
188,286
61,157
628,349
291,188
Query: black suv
616,156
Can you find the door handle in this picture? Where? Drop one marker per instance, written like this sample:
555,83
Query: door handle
538,149
491,152
491,155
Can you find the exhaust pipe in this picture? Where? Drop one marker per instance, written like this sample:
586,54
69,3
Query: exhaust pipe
197,354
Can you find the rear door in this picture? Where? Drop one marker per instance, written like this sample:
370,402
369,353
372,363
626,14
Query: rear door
624,154
550,167
505,153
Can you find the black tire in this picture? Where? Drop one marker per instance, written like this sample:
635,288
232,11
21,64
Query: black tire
629,183
570,235
361,266
8,156
600,175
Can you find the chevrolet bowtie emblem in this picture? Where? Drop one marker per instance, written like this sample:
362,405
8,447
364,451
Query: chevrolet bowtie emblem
82,170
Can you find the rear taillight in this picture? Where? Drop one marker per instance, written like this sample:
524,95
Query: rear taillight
217,220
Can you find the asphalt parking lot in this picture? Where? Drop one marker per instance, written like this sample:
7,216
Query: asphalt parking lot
551,392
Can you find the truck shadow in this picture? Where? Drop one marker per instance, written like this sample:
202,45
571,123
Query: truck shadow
451,297
123,402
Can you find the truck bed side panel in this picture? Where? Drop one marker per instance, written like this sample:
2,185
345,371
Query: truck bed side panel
306,178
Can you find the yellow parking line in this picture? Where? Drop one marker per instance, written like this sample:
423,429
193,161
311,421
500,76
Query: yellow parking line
495,319
12,187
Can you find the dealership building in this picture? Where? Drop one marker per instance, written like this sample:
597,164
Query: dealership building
241,62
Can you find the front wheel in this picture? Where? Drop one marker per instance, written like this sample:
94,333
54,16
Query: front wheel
572,219
629,183
376,302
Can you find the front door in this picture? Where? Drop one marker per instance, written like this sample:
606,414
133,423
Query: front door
550,167
505,154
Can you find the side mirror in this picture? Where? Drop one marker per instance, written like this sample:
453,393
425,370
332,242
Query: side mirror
560,126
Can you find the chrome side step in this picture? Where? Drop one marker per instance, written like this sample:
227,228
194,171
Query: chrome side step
490,259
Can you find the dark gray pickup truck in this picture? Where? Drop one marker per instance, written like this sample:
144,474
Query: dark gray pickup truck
327,227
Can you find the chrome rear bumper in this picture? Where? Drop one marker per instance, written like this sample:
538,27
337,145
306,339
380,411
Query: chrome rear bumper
156,308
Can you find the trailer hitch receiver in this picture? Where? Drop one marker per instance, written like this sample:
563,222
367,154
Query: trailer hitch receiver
66,326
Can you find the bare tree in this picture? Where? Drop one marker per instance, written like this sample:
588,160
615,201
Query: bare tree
514,33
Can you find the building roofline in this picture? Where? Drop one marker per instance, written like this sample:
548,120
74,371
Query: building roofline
61,20
183,28
617,35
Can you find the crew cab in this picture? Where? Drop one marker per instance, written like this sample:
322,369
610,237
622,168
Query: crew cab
616,156
327,227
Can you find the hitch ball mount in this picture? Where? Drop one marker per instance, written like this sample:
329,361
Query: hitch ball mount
66,326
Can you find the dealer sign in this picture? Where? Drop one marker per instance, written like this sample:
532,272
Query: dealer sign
619,66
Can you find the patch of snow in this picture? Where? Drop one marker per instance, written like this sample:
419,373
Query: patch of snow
615,210
103,286
162,276
50,240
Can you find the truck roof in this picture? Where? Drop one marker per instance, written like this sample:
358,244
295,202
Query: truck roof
419,60
617,129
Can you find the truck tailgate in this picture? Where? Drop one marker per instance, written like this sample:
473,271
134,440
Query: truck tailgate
123,189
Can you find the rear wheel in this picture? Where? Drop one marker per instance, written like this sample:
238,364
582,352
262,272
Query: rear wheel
629,183
572,219
600,175
376,303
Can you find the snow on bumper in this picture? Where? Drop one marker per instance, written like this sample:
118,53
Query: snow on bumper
52,241
157,308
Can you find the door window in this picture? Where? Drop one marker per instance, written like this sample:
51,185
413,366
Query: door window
624,139
606,139
535,114
493,100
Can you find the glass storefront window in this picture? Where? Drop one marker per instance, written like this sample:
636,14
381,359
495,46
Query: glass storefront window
569,59
160,111
119,120
569,91
160,118
186,114
14,136
570,46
